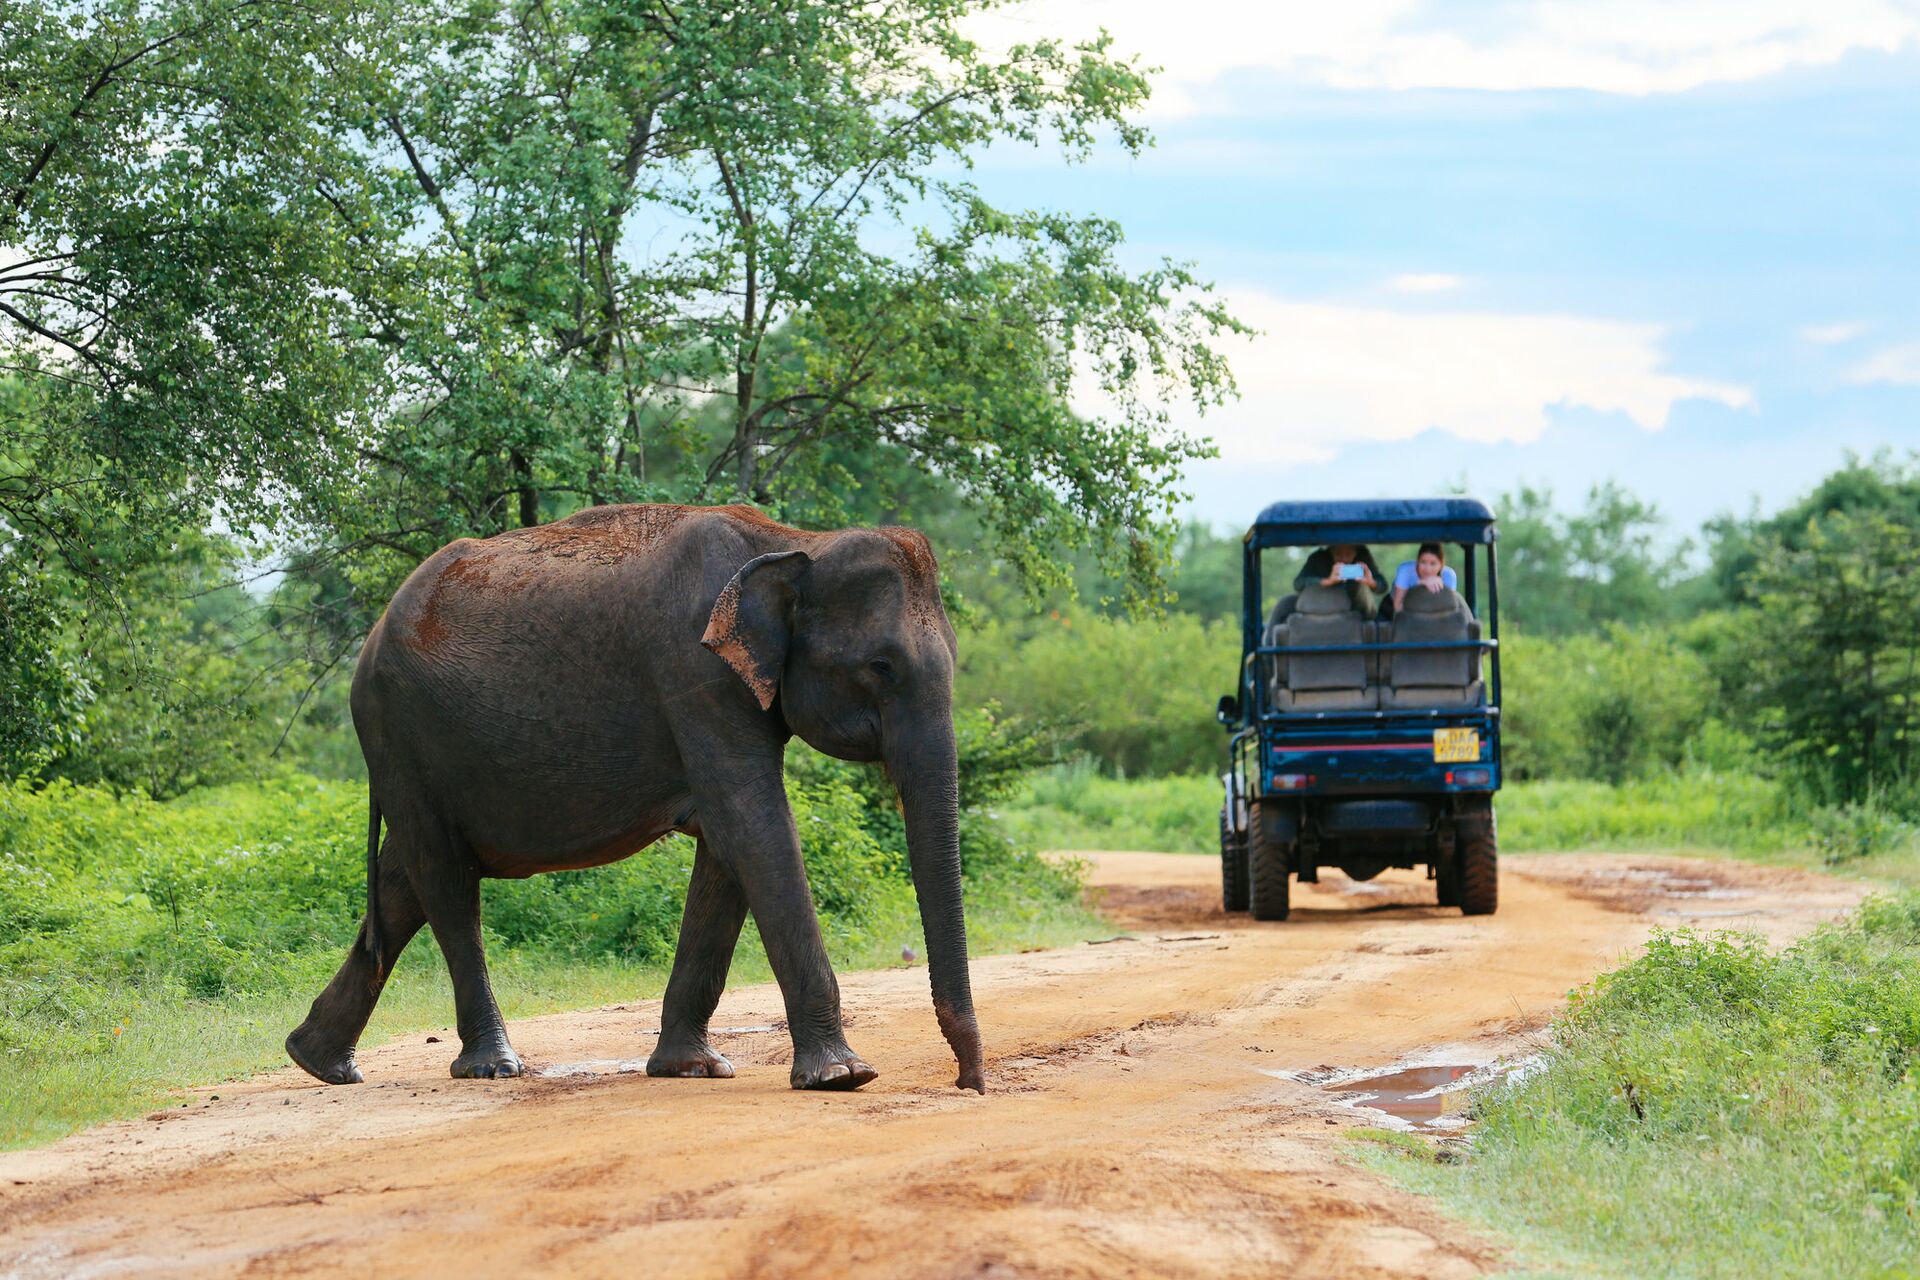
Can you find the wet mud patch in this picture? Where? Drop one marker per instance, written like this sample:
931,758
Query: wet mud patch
1429,1098
1163,907
1425,1097
1638,887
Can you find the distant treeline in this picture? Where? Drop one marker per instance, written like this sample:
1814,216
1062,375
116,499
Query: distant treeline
1786,646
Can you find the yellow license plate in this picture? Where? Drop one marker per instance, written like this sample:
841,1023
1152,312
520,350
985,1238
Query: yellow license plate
1451,746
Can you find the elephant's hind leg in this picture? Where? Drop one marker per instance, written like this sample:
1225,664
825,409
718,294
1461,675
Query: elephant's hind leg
323,1045
448,882
709,930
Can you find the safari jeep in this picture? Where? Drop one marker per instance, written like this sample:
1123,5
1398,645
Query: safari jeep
1364,737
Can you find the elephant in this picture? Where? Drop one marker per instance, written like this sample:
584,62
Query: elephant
563,695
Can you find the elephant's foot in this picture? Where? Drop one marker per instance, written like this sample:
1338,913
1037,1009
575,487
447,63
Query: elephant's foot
689,1057
492,1058
321,1056
831,1066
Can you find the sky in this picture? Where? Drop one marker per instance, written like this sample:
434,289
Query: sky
1675,244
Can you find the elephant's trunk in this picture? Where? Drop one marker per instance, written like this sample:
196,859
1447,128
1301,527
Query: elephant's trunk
927,773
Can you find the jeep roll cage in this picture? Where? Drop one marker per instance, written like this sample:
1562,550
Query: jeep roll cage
1462,522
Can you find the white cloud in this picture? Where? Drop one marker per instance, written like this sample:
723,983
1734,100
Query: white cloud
1433,282
1899,365
1831,335
1319,376
1622,46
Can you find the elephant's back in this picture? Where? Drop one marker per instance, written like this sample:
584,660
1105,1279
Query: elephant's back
516,680
476,595
582,575
581,622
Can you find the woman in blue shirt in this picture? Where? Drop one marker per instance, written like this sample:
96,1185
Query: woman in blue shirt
1427,570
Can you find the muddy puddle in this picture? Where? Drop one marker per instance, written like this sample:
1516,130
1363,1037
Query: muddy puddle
1433,1098
1423,1098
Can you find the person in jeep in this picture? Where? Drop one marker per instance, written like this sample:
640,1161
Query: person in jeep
1335,566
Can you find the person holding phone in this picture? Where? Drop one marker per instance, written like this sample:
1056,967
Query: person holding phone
1346,566
1427,571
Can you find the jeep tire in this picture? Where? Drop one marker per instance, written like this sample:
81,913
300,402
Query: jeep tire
1233,865
1477,882
1272,831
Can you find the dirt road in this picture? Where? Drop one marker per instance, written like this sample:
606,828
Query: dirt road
1141,1121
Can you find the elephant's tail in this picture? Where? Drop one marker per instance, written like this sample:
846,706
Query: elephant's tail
374,948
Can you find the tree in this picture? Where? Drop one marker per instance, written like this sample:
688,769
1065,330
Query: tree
39,696
1578,572
188,681
1615,705
599,232
1133,694
1881,484
171,299
363,276
1834,651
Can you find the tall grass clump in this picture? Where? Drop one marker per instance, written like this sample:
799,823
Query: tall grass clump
1716,1110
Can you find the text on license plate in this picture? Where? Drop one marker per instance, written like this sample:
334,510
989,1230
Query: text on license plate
1450,746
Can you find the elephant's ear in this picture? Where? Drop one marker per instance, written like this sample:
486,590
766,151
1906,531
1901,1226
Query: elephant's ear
753,617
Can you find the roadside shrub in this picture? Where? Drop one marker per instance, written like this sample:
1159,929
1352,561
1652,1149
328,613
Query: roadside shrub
627,910
1857,830
1135,696
995,753
630,910
1716,1109
1613,706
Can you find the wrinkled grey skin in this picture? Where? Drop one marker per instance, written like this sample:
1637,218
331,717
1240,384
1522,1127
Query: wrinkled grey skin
563,696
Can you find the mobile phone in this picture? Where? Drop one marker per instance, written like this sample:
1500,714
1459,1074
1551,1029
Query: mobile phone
1352,572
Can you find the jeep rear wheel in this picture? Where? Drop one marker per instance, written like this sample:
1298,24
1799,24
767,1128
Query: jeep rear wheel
1233,866
1478,882
1270,838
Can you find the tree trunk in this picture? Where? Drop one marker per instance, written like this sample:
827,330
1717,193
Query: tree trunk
529,496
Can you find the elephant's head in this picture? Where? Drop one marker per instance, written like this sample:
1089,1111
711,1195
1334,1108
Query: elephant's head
850,639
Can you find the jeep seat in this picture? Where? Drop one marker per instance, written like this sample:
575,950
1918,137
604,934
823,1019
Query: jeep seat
1432,678
1322,681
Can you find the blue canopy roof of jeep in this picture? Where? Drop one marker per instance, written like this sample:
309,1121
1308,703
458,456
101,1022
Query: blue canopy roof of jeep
1324,523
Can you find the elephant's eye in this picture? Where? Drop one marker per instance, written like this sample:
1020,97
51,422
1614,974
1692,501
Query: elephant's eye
881,667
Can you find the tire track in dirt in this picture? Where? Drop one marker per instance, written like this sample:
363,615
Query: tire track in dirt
1133,1128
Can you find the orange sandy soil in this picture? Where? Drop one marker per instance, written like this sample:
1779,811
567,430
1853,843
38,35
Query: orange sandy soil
1133,1127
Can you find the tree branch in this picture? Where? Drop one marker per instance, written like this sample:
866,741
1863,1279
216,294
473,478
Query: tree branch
27,322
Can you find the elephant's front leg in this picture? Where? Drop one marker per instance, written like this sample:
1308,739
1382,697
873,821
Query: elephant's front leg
709,930
750,829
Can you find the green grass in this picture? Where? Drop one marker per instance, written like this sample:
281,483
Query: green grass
1715,1110
1075,807
148,946
144,1043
